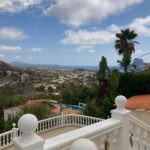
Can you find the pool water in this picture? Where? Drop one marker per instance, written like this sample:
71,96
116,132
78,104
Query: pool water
72,107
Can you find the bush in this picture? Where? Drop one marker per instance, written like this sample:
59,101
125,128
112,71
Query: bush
134,84
91,109
40,111
40,88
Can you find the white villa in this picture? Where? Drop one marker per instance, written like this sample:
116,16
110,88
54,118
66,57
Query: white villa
120,132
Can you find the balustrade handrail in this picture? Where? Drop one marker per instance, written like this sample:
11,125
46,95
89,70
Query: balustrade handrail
6,138
139,123
95,132
100,119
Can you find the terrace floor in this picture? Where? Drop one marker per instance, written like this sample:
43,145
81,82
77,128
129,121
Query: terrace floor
52,133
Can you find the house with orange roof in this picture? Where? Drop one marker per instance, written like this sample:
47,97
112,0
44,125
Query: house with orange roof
140,107
13,111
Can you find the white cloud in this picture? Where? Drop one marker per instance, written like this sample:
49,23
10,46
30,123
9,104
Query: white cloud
15,6
30,57
141,26
9,49
85,37
85,48
91,50
17,57
35,50
2,55
12,34
78,12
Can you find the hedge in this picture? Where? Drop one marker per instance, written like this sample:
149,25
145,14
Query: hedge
134,84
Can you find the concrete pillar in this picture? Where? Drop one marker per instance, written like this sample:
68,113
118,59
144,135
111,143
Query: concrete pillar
29,140
124,115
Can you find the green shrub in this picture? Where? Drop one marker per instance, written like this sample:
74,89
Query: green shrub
134,84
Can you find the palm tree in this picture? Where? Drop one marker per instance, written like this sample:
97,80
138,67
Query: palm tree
124,45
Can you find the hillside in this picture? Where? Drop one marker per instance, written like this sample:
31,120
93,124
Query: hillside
5,66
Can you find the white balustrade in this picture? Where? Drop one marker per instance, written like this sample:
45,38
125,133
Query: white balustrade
110,134
98,133
120,132
6,139
140,134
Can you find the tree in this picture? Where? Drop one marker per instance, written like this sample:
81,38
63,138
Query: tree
50,89
7,100
41,88
91,109
126,60
108,81
40,111
103,76
125,45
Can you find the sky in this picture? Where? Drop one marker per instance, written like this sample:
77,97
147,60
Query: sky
70,32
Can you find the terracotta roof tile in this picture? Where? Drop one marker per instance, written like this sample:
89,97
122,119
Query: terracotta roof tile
139,102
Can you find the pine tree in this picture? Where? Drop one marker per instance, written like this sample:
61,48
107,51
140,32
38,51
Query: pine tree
103,80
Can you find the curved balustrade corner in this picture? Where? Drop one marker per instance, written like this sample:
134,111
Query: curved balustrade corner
99,133
6,138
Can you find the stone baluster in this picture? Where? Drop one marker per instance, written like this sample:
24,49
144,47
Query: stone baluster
147,141
124,116
135,137
102,142
28,124
3,139
8,138
51,123
143,138
75,120
62,119
113,139
83,144
48,124
14,129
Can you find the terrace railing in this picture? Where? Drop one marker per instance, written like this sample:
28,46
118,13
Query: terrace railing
110,134
139,134
104,134
6,138
121,132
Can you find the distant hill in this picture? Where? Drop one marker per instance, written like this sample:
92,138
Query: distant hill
5,66
53,66
28,65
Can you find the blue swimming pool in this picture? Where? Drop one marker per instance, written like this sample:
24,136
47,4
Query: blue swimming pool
72,107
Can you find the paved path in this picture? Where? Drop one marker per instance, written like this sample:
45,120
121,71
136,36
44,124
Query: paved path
52,133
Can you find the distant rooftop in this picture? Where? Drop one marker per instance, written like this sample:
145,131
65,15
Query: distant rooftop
139,102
